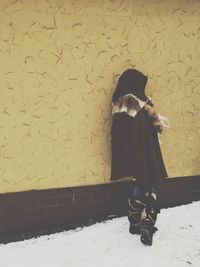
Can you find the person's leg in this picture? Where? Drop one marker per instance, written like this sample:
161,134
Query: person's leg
135,207
149,215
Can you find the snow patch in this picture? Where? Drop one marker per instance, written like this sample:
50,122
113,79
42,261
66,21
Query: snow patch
176,243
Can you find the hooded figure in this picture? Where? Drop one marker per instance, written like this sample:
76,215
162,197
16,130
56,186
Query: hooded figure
136,151
134,139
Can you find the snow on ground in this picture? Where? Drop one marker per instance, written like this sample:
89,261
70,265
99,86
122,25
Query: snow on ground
109,244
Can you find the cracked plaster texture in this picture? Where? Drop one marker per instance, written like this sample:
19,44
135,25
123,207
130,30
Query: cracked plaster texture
60,62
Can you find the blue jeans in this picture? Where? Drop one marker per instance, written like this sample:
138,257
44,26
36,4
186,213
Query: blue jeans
138,191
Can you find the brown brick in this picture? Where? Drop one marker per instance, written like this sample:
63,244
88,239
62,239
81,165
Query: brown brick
1,209
57,210
15,214
32,203
46,202
10,206
100,196
66,199
82,197
52,193
42,211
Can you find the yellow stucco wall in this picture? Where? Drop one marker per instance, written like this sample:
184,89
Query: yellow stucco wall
59,64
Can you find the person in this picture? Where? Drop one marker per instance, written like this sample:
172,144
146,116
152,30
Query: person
136,151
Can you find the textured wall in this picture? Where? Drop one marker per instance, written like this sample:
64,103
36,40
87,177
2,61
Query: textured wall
60,61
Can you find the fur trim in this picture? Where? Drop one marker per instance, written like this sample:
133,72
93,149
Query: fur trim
128,103
153,116
131,105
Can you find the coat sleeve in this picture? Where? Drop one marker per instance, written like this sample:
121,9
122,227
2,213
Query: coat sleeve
153,117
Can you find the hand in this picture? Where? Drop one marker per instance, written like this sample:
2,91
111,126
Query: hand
150,102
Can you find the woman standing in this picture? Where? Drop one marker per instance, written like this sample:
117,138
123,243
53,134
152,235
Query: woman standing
136,150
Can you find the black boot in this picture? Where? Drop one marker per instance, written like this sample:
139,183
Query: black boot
149,216
146,232
135,229
134,215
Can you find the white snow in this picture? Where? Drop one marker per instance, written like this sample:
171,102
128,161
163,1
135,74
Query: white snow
109,244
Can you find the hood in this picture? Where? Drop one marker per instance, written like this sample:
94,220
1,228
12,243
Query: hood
131,81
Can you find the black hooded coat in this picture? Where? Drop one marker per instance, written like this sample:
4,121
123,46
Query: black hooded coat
134,141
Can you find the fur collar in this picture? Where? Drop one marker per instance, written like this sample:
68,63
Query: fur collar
128,103
131,105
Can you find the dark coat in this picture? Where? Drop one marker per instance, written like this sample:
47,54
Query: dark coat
135,145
